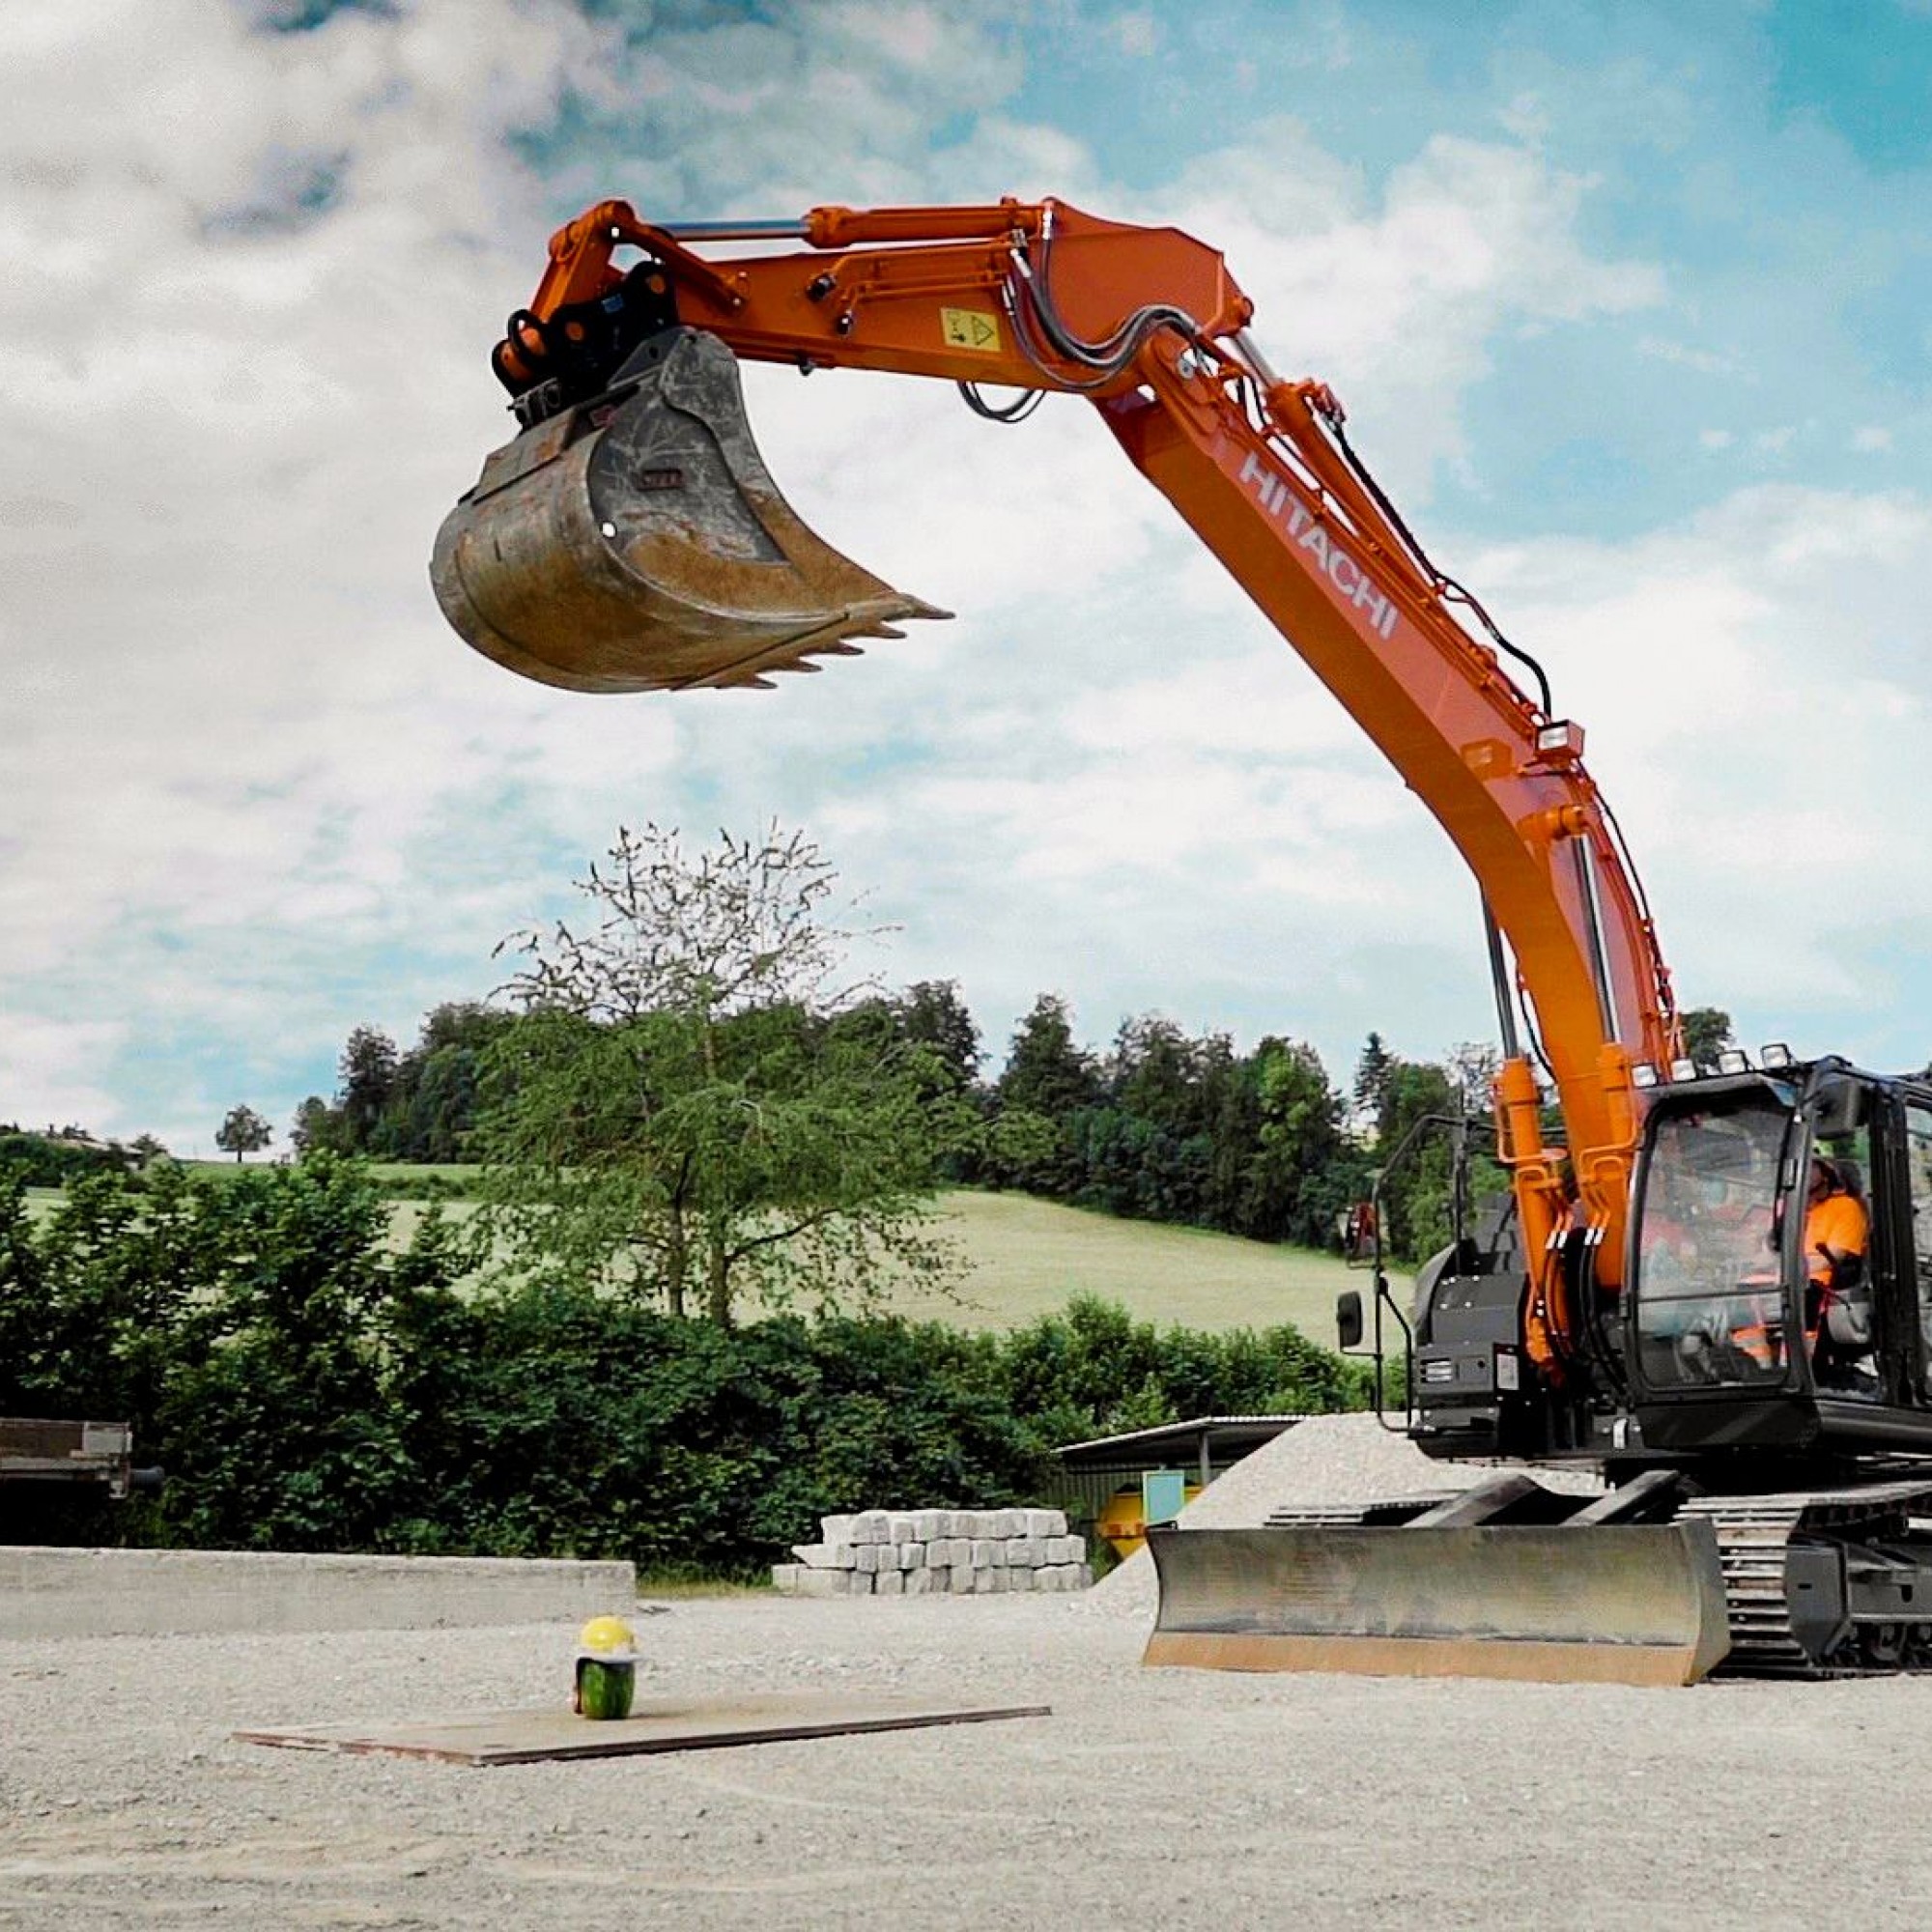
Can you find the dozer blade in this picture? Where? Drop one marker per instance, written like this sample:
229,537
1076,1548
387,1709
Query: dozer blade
1618,1604
636,542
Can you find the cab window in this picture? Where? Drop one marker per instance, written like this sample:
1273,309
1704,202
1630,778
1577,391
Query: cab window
1918,1171
1710,1302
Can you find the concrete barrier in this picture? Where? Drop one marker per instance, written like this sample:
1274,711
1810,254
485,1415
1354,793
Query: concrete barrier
50,1592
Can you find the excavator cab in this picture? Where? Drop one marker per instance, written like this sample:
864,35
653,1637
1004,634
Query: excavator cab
1715,1309
1754,1321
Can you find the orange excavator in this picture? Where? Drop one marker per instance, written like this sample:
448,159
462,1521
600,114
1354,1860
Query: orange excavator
1647,1301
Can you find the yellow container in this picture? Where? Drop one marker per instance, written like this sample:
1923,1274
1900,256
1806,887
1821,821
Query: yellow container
1124,1522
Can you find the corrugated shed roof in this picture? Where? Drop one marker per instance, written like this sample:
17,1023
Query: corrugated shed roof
1221,1428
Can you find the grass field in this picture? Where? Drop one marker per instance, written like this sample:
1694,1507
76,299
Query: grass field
1027,1258
1030,1257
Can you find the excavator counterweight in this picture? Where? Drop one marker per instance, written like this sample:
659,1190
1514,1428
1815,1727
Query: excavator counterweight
635,541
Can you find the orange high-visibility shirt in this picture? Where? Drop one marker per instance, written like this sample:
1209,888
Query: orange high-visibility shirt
1835,1222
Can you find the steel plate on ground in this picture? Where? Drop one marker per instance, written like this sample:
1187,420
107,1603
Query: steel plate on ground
636,542
1612,1604
525,1737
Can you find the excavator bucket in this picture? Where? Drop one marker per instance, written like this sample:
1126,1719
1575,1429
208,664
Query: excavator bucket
636,542
1618,1604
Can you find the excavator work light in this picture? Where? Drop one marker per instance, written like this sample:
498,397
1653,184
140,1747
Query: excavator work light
1734,1059
1683,1069
1643,1074
1777,1054
1561,743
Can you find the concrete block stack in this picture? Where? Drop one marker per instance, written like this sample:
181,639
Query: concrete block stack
936,1553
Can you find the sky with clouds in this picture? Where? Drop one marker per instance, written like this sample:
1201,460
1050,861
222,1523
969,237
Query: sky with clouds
1628,306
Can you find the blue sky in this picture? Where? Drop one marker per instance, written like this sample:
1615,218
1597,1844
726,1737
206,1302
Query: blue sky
1628,306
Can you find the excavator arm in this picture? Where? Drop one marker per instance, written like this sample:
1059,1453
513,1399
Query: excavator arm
630,538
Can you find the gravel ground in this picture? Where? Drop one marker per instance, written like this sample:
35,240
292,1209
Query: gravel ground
1150,1798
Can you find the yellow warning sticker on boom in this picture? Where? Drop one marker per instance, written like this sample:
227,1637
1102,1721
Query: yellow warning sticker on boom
971,328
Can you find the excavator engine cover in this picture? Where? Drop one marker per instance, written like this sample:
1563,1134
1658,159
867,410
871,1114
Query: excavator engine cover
1620,1604
636,542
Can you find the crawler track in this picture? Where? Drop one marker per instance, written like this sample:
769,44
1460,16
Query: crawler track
1754,1535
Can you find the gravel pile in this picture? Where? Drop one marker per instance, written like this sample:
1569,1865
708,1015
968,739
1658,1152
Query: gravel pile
1328,1458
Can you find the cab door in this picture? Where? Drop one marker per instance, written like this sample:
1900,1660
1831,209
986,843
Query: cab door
1916,1235
1868,1322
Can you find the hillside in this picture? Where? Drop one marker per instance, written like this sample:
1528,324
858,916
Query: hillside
1030,1257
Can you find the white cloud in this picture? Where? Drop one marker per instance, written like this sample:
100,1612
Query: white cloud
1714,439
230,734
258,793
1322,38
1756,684
43,1058
1870,439
1398,298
1135,33
1704,361
1527,118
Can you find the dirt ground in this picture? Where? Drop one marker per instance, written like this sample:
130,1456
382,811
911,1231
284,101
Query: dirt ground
1150,1798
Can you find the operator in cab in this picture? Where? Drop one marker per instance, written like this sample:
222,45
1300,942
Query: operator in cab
1836,1232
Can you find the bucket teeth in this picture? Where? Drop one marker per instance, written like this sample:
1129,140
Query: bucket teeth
636,542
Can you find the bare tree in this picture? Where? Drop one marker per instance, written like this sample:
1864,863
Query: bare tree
696,1098
742,924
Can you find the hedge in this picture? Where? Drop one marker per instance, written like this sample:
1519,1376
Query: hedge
307,1387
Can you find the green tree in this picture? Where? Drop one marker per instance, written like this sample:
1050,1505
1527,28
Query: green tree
1418,1191
1707,1033
243,1131
437,1106
1154,1072
309,1386
931,1013
1297,1143
1412,1088
459,1023
431,1106
1373,1072
315,1128
52,1159
693,1108
1046,1072
1046,1083
368,1077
